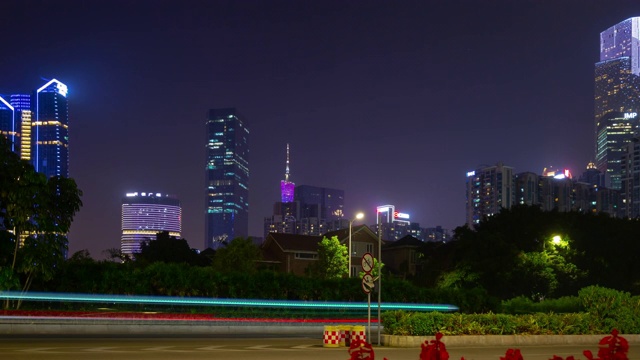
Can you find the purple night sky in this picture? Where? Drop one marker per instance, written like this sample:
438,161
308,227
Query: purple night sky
391,101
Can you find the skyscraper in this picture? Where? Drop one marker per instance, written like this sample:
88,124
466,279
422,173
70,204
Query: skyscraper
617,89
226,176
38,127
146,214
23,120
614,133
489,189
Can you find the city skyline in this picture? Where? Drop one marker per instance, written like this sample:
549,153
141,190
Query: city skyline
391,102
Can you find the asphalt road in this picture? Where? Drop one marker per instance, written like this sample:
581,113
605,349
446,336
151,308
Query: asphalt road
239,348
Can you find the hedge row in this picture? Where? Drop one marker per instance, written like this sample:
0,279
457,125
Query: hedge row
184,280
604,309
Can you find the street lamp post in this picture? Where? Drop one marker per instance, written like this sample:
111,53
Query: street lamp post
358,217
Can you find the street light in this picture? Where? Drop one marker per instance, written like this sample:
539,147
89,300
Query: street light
557,239
358,217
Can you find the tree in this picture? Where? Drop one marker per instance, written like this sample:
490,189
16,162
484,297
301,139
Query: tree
168,249
332,261
116,254
38,210
240,255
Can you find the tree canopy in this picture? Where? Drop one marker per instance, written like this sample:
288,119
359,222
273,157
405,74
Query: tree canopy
240,255
333,261
513,253
169,249
36,215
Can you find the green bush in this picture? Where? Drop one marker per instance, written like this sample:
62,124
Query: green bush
428,324
524,305
610,308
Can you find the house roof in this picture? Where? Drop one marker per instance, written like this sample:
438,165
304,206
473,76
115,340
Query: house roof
294,242
408,241
358,233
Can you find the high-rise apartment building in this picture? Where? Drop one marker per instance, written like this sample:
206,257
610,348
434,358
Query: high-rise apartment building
39,127
146,214
489,189
617,94
226,176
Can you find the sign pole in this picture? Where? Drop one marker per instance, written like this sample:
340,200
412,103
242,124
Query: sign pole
369,317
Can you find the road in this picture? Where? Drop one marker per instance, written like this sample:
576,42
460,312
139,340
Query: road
242,348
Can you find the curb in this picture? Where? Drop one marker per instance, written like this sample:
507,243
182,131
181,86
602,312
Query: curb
504,340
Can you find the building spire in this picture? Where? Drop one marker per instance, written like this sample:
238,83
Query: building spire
286,172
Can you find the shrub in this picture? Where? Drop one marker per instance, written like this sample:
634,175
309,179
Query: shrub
524,305
428,324
610,308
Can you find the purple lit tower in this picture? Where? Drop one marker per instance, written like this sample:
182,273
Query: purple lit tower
286,186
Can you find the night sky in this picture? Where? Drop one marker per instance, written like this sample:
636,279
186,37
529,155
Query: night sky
391,101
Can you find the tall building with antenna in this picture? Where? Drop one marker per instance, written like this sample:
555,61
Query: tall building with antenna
287,187
285,211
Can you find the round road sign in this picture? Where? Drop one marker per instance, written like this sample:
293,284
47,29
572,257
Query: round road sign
367,283
367,263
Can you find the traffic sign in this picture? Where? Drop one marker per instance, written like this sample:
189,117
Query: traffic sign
367,283
367,263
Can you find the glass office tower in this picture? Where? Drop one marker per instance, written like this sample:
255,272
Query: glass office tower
227,177
617,89
50,130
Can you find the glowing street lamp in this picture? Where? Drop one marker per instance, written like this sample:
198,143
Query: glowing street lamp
358,217
557,240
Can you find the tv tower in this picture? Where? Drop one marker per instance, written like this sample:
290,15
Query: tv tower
286,186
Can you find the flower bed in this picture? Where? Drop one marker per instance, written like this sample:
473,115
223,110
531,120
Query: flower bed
611,347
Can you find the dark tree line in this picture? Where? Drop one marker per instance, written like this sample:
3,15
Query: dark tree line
524,251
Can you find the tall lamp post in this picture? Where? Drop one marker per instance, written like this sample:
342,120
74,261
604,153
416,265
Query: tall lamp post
358,217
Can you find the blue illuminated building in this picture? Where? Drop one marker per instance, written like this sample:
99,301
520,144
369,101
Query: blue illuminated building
50,130
38,127
227,177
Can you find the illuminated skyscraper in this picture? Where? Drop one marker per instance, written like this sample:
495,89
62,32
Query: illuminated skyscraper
50,129
615,132
287,187
617,90
227,177
38,127
146,214
23,117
